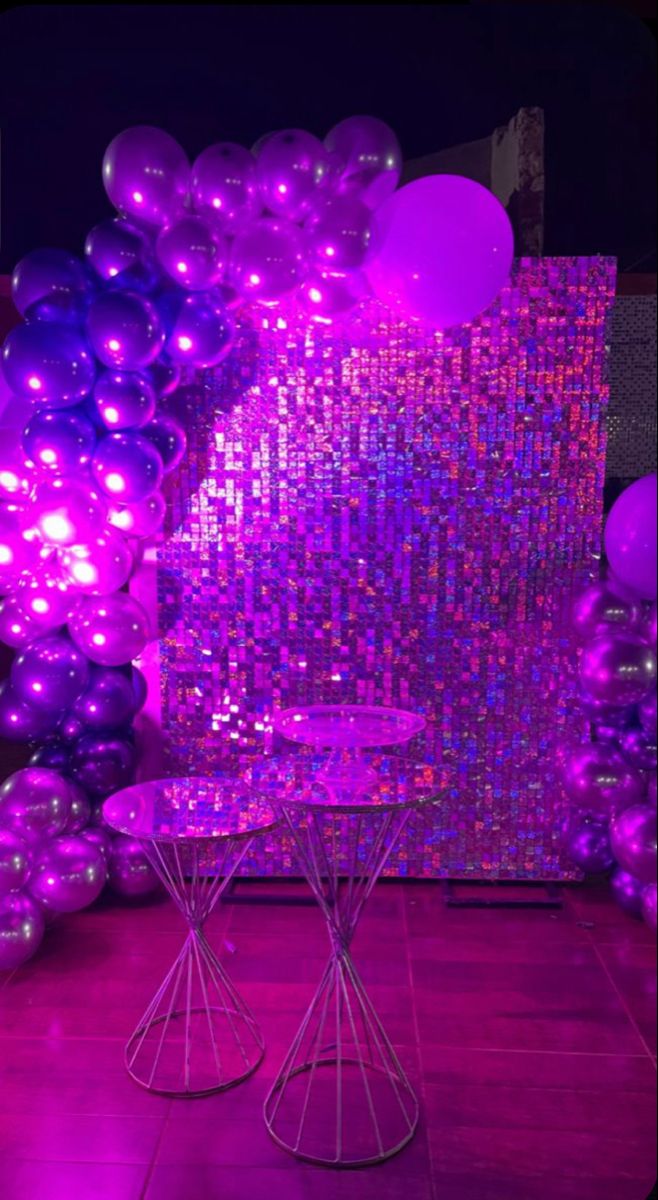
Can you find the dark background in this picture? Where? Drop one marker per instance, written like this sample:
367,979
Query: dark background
72,77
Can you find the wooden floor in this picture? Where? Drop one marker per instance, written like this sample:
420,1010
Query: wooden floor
530,1035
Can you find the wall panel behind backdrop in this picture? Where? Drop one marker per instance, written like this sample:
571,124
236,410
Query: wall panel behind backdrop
384,516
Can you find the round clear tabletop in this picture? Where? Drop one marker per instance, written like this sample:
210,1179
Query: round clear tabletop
197,1035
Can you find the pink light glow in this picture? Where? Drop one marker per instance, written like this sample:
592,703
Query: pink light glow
48,457
99,639
114,345
111,415
115,482
41,606
181,267
217,203
254,279
34,383
184,342
138,198
56,528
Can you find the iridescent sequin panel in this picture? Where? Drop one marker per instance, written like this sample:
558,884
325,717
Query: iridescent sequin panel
374,514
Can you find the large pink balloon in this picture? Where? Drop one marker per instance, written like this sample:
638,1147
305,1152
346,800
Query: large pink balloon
442,249
630,537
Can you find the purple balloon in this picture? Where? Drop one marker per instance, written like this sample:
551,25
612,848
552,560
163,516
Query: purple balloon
122,254
338,235
618,668
16,627
124,330
102,763
53,754
650,905
35,803
193,253
598,780
59,441
127,467
165,375
70,729
49,275
627,891
129,870
140,688
110,630
648,714
67,512
15,862
640,749
267,259
168,437
17,476
22,927
50,362
139,520
201,332
633,840
69,874
50,673
99,837
600,610
16,554
442,250
109,700
652,794
631,536
328,296
20,722
146,174
589,847
124,399
100,566
80,812
292,168
369,158
224,182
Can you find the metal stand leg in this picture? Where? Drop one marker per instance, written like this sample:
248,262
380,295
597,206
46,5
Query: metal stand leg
197,1035
341,1097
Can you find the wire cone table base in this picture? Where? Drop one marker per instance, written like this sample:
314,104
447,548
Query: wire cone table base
197,1035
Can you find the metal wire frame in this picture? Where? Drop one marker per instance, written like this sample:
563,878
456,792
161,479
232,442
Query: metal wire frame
197,1035
341,1098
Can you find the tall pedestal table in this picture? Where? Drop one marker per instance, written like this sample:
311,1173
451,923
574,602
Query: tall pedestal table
197,1035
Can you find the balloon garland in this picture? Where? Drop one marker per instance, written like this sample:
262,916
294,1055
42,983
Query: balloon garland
611,779
89,435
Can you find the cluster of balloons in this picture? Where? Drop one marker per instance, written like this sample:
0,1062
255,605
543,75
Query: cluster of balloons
89,429
56,855
611,779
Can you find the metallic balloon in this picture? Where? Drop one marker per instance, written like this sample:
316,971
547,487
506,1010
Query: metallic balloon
124,399
127,467
267,259
165,375
599,780
50,362
20,722
99,837
224,182
35,803
22,927
15,861
70,729
639,749
109,700
201,332
102,763
631,537
110,630
100,566
121,254
618,668
589,846
68,511
59,441
16,627
168,437
17,474
338,234
146,174
129,871
16,554
633,840
193,253
292,169
599,610
139,520
369,158
80,812
46,600
328,296
648,714
69,873
54,754
45,275
50,673
627,891
650,905
124,330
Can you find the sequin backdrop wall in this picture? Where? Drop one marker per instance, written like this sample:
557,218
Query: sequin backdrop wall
383,516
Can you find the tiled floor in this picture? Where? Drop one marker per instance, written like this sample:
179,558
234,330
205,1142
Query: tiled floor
530,1035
